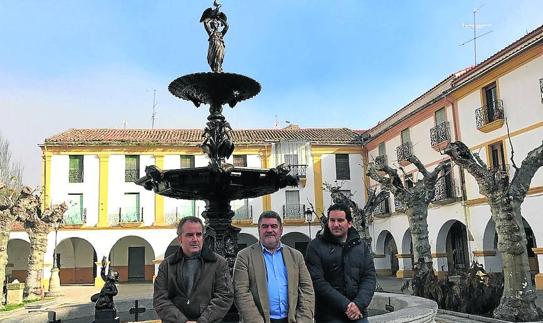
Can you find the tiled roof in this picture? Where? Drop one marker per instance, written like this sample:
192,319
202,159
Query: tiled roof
192,137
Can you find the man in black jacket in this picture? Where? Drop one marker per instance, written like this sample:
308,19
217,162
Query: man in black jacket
193,284
342,270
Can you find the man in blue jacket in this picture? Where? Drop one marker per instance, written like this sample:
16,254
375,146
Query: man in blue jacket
342,270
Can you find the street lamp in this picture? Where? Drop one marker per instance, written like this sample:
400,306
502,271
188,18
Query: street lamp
54,280
309,218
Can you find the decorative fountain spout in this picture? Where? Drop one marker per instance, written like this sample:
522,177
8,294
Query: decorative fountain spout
219,182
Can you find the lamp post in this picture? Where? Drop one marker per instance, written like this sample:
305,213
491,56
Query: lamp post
309,218
54,280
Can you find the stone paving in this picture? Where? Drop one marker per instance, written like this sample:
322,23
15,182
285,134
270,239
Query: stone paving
75,306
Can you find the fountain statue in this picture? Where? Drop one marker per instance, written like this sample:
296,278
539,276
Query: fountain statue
218,183
105,311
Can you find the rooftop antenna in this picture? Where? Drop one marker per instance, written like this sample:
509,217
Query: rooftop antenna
125,124
475,26
276,122
153,116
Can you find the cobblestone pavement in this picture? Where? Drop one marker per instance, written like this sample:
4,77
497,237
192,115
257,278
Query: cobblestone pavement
76,303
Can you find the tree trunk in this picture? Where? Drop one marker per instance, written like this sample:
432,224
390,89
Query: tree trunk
518,300
4,238
38,247
417,216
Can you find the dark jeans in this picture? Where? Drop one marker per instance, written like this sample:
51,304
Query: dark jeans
285,320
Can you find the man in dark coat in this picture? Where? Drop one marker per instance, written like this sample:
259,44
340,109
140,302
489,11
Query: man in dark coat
193,284
342,270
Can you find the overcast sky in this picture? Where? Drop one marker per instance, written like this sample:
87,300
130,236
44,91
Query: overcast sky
326,63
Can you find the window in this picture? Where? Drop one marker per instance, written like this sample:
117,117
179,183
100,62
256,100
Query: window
187,161
440,116
132,168
497,156
240,160
490,97
382,149
74,214
405,136
76,169
131,208
342,167
292,205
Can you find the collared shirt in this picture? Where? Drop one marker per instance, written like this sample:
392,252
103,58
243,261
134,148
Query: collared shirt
277,278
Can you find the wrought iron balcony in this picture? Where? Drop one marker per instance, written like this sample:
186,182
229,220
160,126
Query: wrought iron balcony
403,151
130,215
380,161
180,212
78,217
293,211
131,175
382,209
444,190
298,170
440,135
399,206
75,176
488,114
243,212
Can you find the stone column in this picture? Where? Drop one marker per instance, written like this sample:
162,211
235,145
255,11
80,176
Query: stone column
405,265
382,265
489,259
441,266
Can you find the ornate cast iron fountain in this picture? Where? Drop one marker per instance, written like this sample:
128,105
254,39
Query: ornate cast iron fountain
219,182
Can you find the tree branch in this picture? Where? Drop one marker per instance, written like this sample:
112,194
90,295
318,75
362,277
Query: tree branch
392,183
415,161
523,176
462,156
511,145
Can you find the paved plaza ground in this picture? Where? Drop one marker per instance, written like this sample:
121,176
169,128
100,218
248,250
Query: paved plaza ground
75,306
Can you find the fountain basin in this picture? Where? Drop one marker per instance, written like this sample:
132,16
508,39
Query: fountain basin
209,183
407,308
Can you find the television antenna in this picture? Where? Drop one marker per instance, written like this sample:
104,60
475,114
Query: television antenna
153,116
475,26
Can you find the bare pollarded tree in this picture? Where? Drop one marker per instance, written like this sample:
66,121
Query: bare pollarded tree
37,224
8,198
505,198
416,200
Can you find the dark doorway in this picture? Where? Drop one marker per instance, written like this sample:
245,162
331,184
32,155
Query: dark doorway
391,251
457,248
136,263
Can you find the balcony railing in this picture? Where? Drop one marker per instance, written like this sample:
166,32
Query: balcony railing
440,134
382,209
444,189
298,170
404,150
381,161
180,212
131,175
489,113
399,206
75,175
293,211
75,218
130,215
243,212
